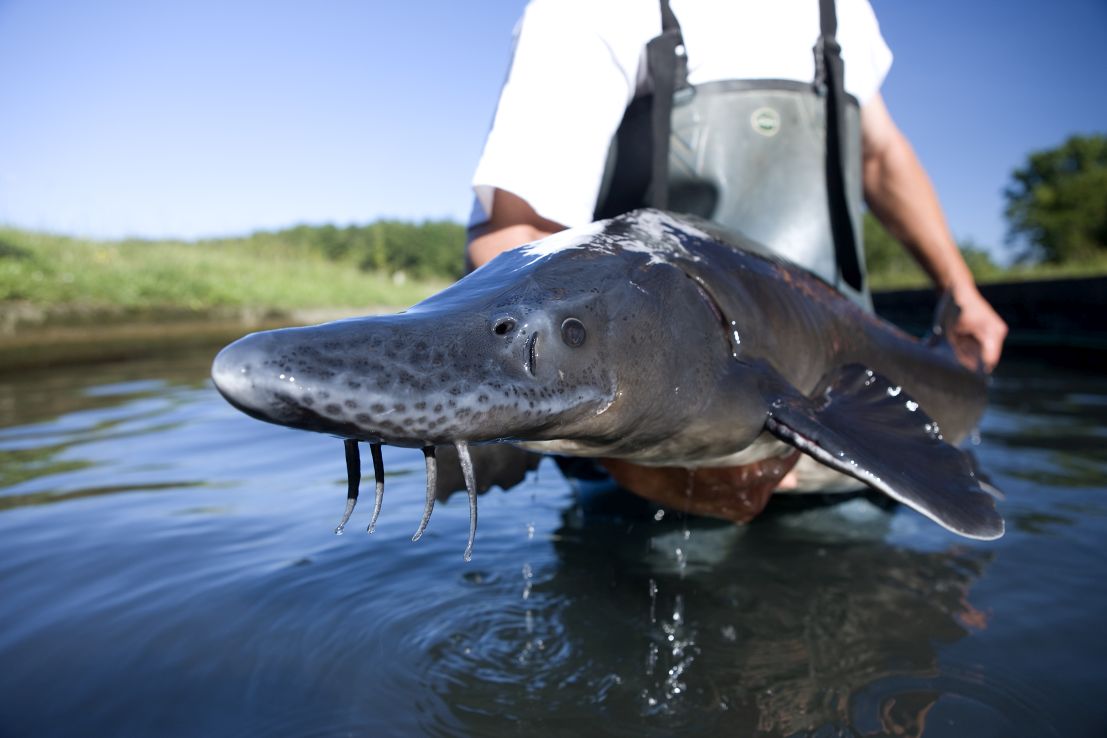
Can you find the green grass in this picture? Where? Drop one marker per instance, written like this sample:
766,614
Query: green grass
280,273
61,273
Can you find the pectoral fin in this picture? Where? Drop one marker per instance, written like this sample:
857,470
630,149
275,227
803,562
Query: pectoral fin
864,426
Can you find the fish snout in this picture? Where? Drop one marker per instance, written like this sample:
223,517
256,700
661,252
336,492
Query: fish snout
336,378
230,371
243,373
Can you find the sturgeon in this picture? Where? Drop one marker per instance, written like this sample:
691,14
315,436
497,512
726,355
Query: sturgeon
693,363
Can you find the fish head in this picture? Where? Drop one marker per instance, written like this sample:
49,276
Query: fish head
544,343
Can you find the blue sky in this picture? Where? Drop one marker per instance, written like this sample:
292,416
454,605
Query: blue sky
122,117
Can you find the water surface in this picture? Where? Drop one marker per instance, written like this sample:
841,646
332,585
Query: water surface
168,567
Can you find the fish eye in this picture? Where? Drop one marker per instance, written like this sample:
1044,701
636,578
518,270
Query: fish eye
503,327
572,332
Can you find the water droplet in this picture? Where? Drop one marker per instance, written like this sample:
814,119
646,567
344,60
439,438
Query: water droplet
659,515
653,601
911,405
528,575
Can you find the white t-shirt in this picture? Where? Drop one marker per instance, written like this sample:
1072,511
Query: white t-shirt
578,63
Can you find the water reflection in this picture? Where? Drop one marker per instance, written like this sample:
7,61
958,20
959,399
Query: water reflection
184,581
46,418
761,632
28,397
1064,418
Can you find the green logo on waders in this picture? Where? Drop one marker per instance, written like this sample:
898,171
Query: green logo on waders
765,121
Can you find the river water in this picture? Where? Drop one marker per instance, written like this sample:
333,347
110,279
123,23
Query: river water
168,567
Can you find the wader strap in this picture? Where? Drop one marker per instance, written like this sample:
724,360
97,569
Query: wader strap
831,73
668,70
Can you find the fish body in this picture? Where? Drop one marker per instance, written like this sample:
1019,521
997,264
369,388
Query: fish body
652,342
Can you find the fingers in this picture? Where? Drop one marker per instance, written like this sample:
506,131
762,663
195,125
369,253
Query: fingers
982,324
991,344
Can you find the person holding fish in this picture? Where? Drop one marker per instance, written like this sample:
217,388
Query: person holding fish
766,119
733,119
726,121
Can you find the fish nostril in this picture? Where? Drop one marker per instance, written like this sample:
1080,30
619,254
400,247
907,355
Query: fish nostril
503,327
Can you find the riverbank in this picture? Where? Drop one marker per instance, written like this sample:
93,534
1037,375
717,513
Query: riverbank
47,279
66,300
87,340
1052,316
71,300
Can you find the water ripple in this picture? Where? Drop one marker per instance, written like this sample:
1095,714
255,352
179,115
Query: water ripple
183,580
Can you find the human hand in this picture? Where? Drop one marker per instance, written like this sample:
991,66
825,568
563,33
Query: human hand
979,331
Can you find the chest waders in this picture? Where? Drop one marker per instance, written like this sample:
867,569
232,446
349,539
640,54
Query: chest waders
776,160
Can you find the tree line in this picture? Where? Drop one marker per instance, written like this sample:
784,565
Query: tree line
1056,208
432,248
1057,202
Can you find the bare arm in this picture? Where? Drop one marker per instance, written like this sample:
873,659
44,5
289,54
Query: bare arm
900,195
513,223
